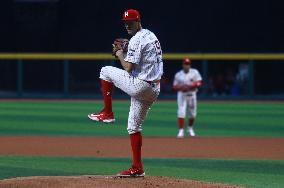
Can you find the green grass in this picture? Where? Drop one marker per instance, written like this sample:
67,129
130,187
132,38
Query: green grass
214,119
70,118
237,172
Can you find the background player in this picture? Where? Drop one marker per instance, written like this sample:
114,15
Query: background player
140,79
186,83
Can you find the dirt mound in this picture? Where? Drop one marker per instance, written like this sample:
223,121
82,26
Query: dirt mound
104,181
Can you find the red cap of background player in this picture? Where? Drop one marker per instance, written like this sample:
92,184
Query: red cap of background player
131,15
187,61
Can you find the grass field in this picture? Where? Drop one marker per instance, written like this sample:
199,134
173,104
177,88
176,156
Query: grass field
70,118
215,119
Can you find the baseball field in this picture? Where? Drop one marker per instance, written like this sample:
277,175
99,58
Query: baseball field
53,144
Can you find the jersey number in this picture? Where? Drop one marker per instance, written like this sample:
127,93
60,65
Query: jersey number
158,47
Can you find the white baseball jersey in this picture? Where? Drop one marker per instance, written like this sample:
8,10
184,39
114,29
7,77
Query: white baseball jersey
182,78
145,51
187,100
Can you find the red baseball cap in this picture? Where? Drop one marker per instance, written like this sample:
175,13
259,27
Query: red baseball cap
187,61
131,15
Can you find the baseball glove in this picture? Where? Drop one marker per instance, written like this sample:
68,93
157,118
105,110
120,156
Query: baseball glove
118,44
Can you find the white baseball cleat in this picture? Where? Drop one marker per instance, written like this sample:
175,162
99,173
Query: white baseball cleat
102,116
191,131
180,133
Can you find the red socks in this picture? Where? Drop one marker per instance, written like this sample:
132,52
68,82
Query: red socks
180,123
190,122
136,144
107,93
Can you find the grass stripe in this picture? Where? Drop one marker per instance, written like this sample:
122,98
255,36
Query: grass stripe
70,118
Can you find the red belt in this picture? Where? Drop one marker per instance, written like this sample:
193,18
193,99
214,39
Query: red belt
153,82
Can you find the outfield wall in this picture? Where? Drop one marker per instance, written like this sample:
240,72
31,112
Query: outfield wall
75,75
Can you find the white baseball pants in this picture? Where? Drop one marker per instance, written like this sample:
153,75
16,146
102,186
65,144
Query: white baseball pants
142,94
186,102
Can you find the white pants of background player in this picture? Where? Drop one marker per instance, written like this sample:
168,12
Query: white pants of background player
142,94
186,102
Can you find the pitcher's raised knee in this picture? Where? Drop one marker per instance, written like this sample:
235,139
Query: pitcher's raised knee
105,72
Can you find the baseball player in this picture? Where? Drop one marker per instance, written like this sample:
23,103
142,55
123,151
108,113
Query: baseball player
186,83
140,79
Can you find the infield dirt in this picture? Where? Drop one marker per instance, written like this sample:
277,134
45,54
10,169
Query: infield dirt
198,147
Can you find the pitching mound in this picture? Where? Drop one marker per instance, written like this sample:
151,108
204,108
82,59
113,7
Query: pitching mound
103,181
